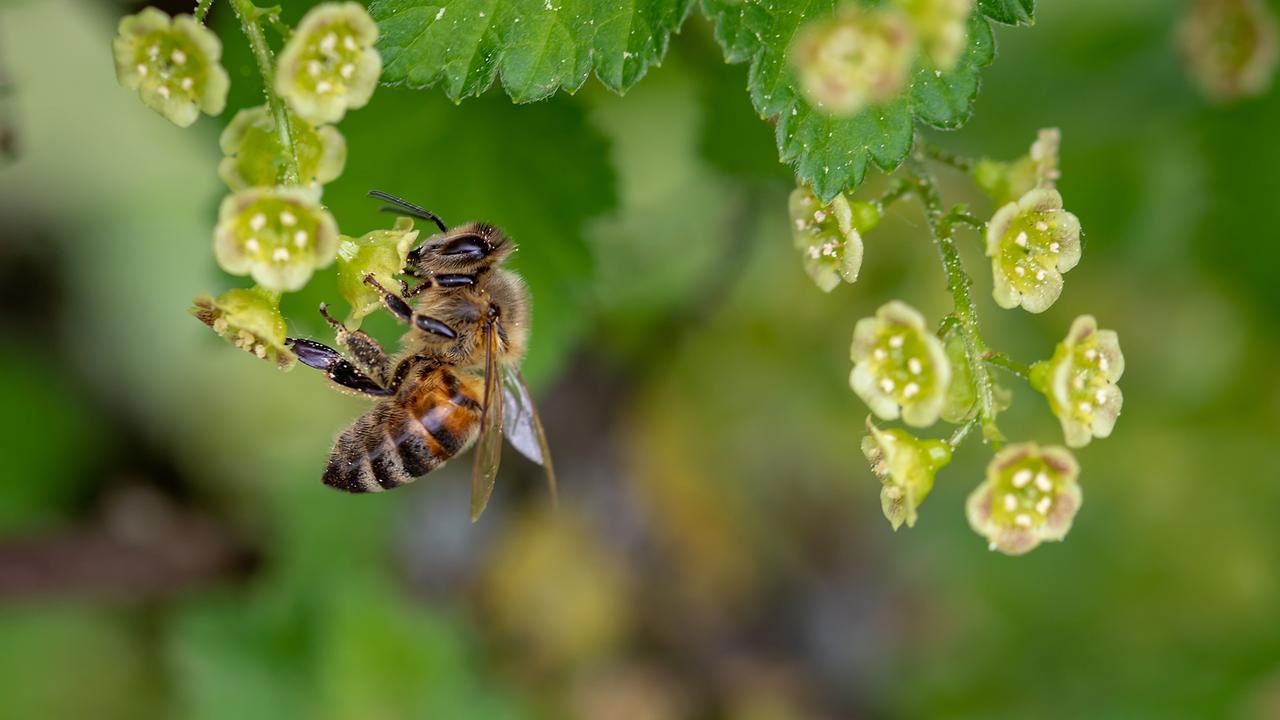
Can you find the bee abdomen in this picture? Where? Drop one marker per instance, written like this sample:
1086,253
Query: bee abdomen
382,450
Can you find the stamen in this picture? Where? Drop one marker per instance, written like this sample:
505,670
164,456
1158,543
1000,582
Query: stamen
1021,478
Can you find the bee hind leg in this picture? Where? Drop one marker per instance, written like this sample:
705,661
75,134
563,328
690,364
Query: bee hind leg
340,370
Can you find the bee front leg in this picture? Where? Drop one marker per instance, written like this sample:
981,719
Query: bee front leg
367,352
340,370
398,307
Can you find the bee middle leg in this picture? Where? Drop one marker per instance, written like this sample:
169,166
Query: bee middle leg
368,353
339,369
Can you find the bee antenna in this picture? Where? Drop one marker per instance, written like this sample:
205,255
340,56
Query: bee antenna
404,207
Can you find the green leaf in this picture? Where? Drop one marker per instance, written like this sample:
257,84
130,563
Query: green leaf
537,46
1009,12
831,153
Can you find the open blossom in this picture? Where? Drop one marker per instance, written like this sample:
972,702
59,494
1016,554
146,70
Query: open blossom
280,236
942,28
826,237
1080,381
380,253
1031,242
1229,47
250,319
329,64
858,58
899,366
1030,496
906,466
253,154
172,63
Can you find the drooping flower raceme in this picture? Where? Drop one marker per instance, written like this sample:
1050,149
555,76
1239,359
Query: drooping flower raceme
906,466
250,319
941,26
859,58
1030,496
380,253
329,64
1031,243
899,366
172,63
827,236
280,236
253,154
1080,381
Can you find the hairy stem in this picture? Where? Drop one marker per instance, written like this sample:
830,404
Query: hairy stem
959,434
946,157
1005,362
960,285
202,10
249,15
897,191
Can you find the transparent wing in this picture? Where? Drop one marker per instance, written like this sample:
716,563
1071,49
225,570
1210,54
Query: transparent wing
489,446
522,425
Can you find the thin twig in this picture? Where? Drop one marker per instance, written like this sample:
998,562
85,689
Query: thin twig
248,13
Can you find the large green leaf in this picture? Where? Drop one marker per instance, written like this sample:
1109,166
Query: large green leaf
831,153
536,46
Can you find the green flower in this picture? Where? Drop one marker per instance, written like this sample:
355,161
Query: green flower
329,64
858,58
942,27
828,237
1006,182
1229,47
1031,243
1030,496
173,65
277,235
905,465
1080,381
253,154
380,253
250,319
899,366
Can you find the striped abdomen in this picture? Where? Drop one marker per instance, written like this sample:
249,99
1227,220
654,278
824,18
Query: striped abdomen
408,436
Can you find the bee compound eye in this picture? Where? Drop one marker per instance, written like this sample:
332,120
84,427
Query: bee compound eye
469,246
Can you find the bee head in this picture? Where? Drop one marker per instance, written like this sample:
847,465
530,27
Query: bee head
463,249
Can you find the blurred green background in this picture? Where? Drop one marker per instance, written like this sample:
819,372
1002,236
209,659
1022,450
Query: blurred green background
167,549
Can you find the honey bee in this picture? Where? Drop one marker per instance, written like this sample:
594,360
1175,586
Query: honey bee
457,380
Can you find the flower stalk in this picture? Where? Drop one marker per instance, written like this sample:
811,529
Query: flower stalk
249,15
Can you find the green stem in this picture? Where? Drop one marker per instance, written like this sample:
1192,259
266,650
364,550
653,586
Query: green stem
1005,362
958,435
946,157
966,312
248,13
202,10
897,191
959,217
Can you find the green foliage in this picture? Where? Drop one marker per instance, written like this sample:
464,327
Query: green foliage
832,153
536,46
1009,12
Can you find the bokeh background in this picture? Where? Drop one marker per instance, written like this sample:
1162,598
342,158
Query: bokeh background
167,549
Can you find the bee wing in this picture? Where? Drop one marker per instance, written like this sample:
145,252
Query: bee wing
522,425
489,446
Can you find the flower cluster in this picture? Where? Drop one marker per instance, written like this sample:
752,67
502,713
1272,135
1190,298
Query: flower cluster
1030,496
329,64
864,55
1080,381
828,237
172,63
899,366
280,236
